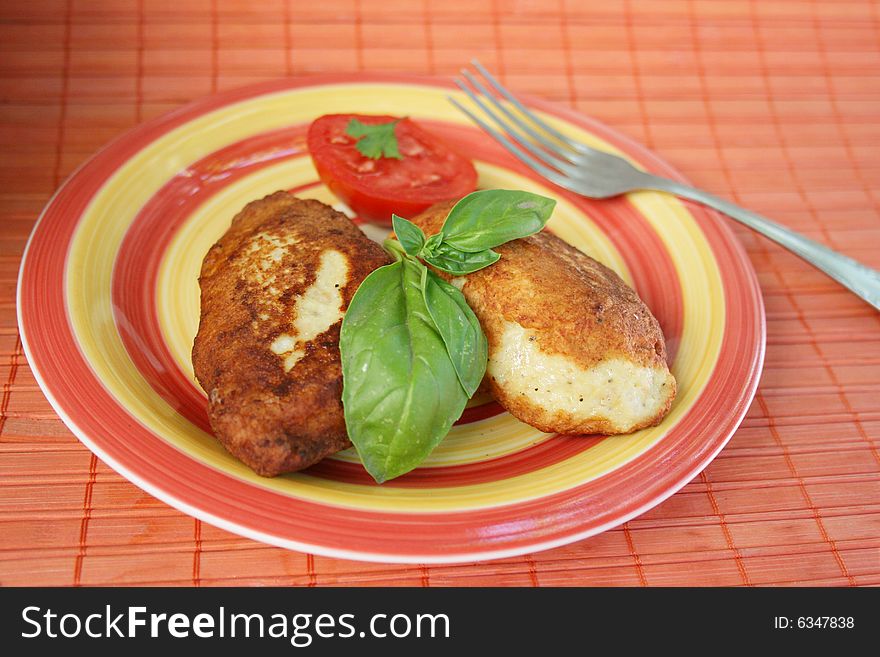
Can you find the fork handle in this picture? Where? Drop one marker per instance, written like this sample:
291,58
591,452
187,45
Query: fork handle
862,280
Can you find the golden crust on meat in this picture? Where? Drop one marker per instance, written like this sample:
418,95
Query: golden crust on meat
274,289
572,348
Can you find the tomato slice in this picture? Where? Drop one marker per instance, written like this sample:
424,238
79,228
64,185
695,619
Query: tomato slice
374,188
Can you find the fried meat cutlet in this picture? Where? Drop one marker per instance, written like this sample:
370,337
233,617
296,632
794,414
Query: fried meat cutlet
572,348
274,290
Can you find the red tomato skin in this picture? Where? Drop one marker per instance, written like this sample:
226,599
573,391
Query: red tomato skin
383,191
367,206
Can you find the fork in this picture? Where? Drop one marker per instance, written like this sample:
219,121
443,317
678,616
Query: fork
597,174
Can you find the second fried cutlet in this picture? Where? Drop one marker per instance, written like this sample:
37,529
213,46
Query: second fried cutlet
572,348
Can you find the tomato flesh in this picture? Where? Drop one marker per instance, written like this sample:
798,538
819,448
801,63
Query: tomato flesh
429,172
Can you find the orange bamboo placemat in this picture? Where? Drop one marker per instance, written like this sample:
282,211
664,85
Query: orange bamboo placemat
772,103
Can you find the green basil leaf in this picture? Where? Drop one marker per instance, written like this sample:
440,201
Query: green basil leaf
453,261
489,218
460,329
400,392
408,234
431,245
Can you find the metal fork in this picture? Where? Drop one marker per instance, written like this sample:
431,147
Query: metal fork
596,174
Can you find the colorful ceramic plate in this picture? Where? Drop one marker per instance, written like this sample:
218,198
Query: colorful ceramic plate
109,304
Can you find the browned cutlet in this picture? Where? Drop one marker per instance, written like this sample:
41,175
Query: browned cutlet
572,348
274,290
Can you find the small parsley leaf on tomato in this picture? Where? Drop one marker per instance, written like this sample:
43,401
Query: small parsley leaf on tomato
375,141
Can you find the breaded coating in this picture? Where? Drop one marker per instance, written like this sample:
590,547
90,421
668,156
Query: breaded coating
274,290
572,348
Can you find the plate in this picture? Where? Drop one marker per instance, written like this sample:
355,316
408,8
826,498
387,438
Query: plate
108,305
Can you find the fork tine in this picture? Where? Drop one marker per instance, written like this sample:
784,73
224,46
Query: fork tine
542,155
534,134
575,145
516,151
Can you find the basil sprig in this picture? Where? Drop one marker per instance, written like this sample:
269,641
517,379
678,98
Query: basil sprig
478,223
413,352
511,215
